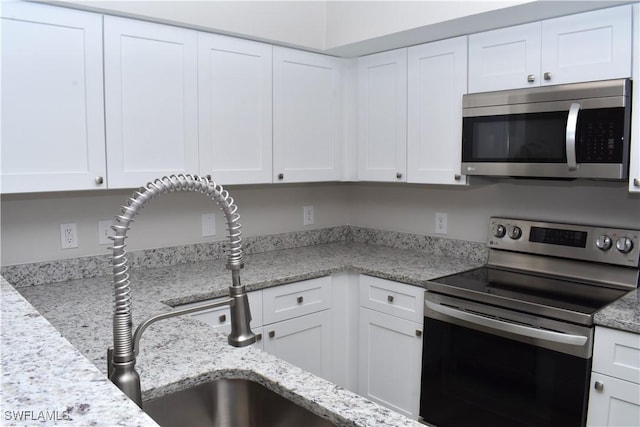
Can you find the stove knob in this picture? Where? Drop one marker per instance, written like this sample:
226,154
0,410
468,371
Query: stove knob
499,230
515,232
624,245
604,243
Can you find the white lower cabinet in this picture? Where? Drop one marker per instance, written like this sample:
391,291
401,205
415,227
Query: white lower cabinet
390,359
390,344
298,324
614,397
304,341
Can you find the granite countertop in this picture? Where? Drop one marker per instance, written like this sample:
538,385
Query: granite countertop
179,352
623,314
45,372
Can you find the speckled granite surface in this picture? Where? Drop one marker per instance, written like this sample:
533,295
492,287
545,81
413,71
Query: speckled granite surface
95,266
46,381
623,314
81,311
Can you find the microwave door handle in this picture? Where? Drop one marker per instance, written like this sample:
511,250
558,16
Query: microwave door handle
570,139
513,328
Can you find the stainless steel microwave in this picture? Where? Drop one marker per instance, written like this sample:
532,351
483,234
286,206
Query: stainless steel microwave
578,130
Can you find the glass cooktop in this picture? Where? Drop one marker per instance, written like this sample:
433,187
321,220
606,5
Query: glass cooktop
553,297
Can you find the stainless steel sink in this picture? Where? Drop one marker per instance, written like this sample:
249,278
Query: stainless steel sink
229,403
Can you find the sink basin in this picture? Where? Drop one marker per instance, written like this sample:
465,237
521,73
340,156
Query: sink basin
229,403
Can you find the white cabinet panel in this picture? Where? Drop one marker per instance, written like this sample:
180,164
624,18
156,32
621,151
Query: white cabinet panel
397,299
507,58
296,299
151,101
235,81
617,353
390,361
437,81
589,46
304,342
614,396
382,116
583,47
615,403
307,116
52,99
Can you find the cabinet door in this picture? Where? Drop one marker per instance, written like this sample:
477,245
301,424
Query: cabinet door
307,113
390,353
382,116
437,81
614,403
234,78
303,341
151,101
52,99
507,58
634,158
588,46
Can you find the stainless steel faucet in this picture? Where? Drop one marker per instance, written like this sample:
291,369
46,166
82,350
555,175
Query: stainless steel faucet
121,358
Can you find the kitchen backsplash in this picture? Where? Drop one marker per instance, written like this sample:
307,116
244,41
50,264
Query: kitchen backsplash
40,273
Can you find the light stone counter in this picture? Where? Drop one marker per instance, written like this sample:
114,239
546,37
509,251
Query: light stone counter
179,352
623,314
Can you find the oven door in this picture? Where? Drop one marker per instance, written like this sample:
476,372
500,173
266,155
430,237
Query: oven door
501,368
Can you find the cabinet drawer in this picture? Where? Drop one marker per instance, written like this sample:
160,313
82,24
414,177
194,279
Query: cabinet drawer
296,299
397,299
220,317
617,353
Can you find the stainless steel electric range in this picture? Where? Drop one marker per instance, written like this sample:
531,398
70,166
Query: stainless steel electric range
510,343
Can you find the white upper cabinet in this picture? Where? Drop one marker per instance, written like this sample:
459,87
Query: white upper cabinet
588,46
151,101
507,58
437,81
307,116
52,99
235,82
382,116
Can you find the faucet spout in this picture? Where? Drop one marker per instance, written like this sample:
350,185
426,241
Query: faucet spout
121,358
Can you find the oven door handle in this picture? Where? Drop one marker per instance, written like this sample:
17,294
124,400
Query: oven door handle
570,137
559,337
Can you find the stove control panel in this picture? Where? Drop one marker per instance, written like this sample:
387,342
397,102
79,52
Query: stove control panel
581,242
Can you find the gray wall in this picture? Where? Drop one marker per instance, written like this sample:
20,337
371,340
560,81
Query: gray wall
30,223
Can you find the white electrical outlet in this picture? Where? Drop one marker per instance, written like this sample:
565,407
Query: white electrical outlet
104,231
208,225
307,215
68,236
441,223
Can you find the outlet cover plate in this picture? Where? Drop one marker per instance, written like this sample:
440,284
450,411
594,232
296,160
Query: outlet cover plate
307,215
69,235
441,223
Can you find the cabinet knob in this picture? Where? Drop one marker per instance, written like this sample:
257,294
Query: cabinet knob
280,176
418,333
300,300
399,175
531,78
599,385
223,318
636,182
258,337
390,298
272,334
457,177
547,76
99,180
